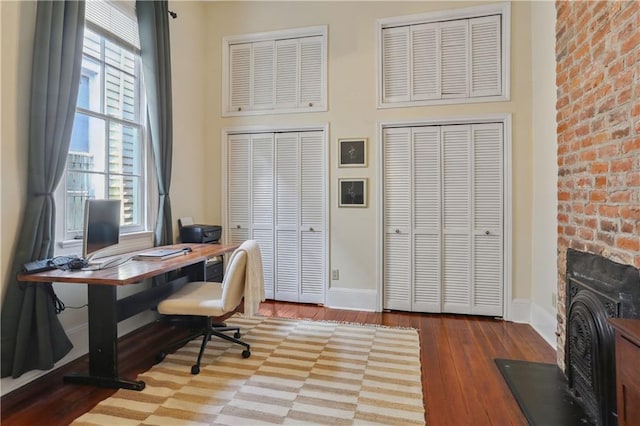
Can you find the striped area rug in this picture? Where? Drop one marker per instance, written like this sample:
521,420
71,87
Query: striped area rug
300,372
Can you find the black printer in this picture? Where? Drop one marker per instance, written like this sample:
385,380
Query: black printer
200,233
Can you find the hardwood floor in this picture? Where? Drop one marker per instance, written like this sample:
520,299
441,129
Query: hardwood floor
461,383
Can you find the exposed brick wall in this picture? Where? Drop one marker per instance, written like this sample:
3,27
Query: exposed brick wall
598,117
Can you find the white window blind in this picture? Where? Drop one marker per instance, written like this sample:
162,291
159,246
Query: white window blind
117,17
448,57
275,72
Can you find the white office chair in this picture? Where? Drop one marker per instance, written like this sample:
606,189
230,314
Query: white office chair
208,299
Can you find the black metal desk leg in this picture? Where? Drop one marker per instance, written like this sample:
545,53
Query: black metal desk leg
103,342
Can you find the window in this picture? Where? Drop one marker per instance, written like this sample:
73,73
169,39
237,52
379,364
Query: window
107,154
446,57
275,72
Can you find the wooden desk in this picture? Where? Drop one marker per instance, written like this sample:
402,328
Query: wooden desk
105,311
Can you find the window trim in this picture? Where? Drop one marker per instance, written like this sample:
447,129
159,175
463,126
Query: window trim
131,237
503,9
272,36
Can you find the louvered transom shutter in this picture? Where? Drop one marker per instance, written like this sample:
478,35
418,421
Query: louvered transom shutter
238,188
395,63
286,73
311,71
263,67
240,76
454,69
488,222
433,60
425,53
486,60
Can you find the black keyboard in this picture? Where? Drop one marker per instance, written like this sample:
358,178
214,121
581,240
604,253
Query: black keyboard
38,266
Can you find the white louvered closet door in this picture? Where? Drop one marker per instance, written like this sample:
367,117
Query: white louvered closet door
456,219
287,258
262,204
443,219
488,221
312,213
426,206
238,188
397,261
277,196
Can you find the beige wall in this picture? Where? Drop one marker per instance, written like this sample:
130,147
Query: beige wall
352,113
18,21
190,185
545,235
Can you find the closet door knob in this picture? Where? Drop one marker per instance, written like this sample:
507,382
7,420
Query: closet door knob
487,232
397,231
311,229
238,226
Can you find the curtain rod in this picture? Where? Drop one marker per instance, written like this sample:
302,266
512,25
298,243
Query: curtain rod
173,14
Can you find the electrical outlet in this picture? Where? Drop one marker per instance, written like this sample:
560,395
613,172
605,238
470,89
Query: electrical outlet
554,299
335,274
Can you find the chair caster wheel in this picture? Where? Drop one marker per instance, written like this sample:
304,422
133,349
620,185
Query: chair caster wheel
246,353
237,335
195,369
161,356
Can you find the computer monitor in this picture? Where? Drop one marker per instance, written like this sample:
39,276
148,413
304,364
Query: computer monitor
101,226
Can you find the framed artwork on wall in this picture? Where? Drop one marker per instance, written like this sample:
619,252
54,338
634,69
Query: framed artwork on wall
352,152
352,192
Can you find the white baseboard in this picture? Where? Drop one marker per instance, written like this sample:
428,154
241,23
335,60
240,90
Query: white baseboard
79,337
520,311
545,324
356,299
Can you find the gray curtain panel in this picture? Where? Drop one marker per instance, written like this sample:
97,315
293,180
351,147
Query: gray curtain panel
153,27
32,336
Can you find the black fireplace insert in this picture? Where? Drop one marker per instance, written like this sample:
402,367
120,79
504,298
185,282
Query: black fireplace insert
597,289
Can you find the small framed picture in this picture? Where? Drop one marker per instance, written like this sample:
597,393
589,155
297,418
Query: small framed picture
352,192
352,152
